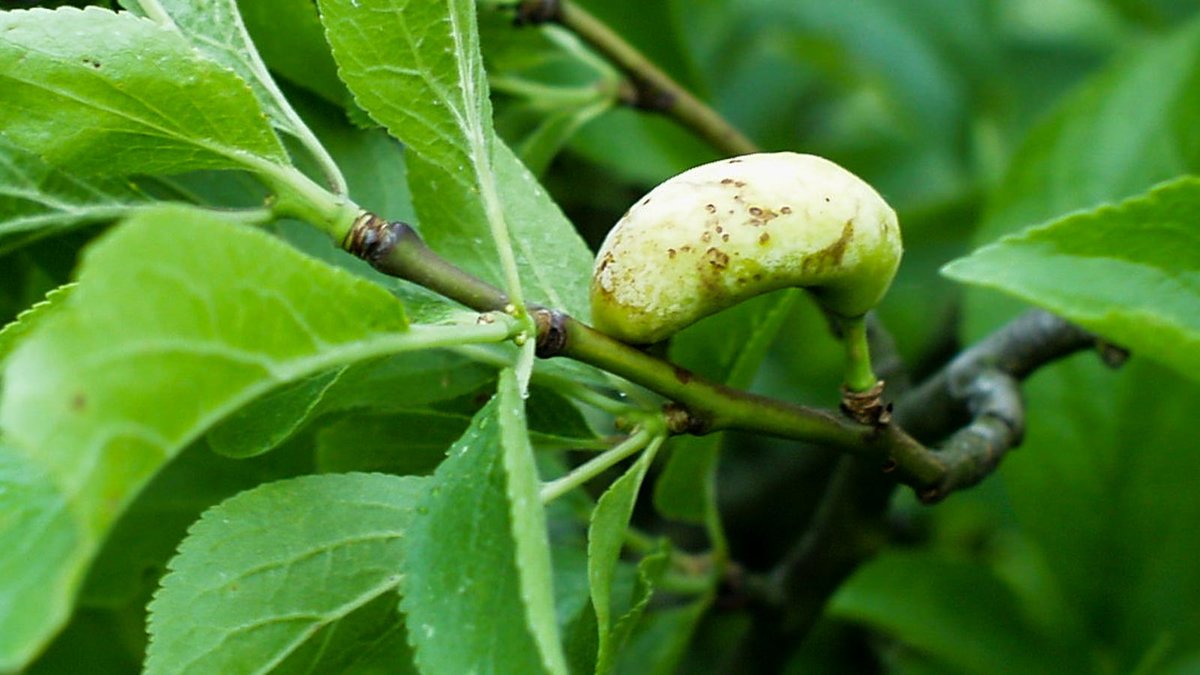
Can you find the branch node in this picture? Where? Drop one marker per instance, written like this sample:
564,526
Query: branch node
680,420
371,237
867,407
931,495
551,332
1112,355
641,94
731,590
537,12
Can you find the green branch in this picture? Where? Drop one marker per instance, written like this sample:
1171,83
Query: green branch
699,407
651,88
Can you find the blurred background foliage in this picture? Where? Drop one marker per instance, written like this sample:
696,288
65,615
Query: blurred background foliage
974,118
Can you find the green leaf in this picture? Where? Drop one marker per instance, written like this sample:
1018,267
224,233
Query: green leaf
135,552
415,67
399,443
108,93
397,382
37,199
528,522
289,36
1102,451
1187,665
36,523
1127,129
656,30
538,148
727,348
545,86
272,572
482,599
27,321
918,599
659,643
554,262
97,642
886,39
731,346
606,538
649,570
407,381
216,30
372,160
179,318
639,148
414,441
687,488
556,423
270,420
576,618
1127,272
371,640
1111,455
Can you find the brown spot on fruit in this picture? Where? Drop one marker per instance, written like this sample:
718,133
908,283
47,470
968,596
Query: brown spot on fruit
671,253
764,238
831,255
785,210
838,248
726,181
762,214
711,208
717,258
78,402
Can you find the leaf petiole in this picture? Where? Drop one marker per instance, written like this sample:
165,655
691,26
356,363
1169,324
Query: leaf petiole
298,196
649,436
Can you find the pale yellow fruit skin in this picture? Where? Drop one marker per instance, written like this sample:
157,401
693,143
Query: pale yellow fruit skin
724,232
